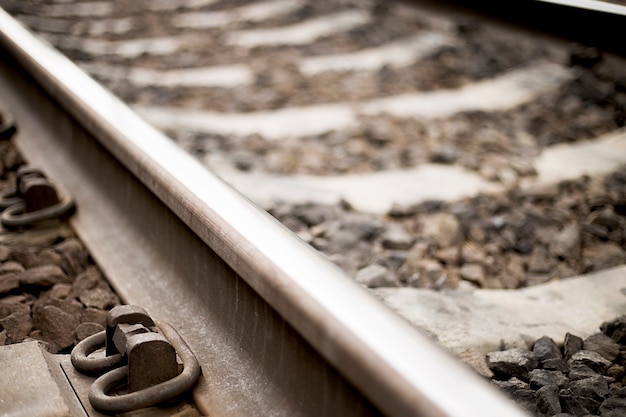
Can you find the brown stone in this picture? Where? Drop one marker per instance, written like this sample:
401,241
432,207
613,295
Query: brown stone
603,256
430,270
47,257
76,257
24,256
94,315
98,298
566,243
540,261
474,273
69,306
7,308
442,228
44,276
5,252
87,329
17,326
8,282
472,253
88,279
61,291
11,266
616,371
514,273
448,255
58,327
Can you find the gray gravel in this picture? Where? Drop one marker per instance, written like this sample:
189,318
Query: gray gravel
513,240
579,378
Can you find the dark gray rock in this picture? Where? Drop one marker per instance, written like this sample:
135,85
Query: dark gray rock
594,387
615,404
545,348
603,345
542,377
526,398
547,400
613,407
593,360
513,362
571,345
555,365
592,406
570,404
579,371
511,385
615,329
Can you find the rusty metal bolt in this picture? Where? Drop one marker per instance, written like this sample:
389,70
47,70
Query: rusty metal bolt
124,314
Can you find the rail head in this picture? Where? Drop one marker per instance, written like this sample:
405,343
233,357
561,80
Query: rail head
560,19
397,368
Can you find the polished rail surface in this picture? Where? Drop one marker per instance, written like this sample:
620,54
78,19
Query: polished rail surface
277,328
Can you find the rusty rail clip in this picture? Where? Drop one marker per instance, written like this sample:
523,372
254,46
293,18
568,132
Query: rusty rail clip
34,199
141,353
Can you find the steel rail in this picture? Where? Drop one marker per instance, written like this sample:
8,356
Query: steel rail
591,23
278,329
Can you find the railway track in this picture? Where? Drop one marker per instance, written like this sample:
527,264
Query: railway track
329,134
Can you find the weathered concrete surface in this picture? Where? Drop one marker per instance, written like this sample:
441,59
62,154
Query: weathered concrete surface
472,323
28,388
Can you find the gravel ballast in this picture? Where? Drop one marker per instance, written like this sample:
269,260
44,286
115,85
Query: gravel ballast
581,377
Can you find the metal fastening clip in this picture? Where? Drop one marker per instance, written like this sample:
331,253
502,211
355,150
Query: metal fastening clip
34,199
147,355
